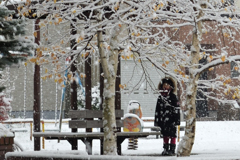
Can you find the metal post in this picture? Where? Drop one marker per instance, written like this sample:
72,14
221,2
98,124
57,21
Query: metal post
88,96
118,99
88,82
74,83
37,99
117,89
101,96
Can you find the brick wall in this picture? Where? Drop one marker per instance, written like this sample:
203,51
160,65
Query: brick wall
6,145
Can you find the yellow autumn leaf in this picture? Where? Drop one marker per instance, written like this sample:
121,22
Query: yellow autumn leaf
161,4
49,76
167,62
236,68
34,15
210,69
25,64
69,76
35,34
55,1
86,54
33,60
46,70
121,86
155,7
44,78
59,20
58,66
60,80
82,75
226,35
223,58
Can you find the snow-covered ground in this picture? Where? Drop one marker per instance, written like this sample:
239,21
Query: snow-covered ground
214,140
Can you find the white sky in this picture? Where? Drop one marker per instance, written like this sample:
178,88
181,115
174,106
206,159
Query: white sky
214,140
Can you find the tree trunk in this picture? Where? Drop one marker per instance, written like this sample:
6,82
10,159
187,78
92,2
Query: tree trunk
109,62
186,144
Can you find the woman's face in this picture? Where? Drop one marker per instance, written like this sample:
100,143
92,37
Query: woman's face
166,86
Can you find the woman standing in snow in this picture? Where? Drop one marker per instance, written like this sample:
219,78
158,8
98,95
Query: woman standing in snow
167,115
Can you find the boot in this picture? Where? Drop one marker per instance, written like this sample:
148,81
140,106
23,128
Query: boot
166,149
172,150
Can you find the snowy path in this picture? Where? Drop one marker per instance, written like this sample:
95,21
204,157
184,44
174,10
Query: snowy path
214,140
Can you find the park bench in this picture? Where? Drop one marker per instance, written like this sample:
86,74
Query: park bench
92,119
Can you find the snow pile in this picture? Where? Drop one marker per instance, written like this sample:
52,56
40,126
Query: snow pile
4,132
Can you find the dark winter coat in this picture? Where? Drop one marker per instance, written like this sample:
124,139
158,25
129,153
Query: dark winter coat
167,114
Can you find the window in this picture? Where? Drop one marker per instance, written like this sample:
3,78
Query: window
234,70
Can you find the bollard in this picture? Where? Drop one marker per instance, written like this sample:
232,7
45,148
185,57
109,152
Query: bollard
43,145
178,133
31,131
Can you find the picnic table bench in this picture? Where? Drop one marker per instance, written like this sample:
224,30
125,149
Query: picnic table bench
92,119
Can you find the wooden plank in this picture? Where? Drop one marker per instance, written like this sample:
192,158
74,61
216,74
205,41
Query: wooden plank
90,123
119,113
119,123
94,114
91,113
66,135
77,114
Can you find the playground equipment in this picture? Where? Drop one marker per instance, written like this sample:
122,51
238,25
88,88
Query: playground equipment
132,122
63,95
